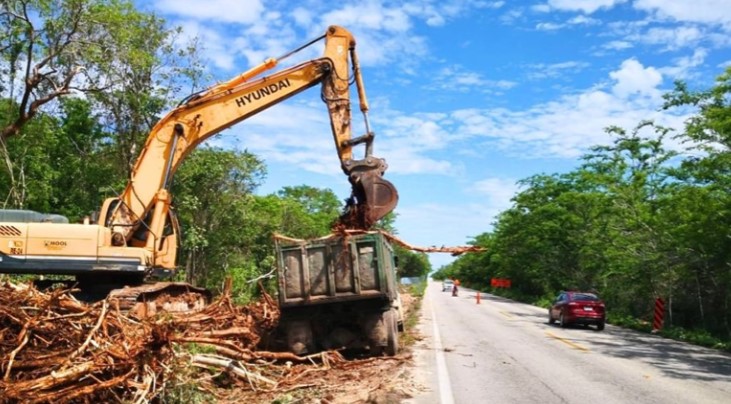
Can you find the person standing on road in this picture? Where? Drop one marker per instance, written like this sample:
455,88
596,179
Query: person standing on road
455,287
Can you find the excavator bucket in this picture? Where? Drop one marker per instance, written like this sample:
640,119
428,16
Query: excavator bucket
380,196
373,198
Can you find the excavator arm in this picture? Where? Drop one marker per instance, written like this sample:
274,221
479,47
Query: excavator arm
140,215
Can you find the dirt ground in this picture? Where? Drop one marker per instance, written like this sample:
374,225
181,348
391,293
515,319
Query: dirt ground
379,380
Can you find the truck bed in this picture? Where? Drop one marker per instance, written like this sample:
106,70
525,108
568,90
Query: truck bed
335,268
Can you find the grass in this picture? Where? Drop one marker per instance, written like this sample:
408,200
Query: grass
408,337
695,337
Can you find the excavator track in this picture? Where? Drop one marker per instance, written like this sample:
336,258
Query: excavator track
161,297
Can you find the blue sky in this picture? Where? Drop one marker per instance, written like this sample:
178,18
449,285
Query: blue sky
467,97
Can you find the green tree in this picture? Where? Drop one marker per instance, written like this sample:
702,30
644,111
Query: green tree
29,183
313,210
50,49
80,157
704,239
213,191
412,264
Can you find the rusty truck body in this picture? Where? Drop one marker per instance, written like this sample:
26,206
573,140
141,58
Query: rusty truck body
339,292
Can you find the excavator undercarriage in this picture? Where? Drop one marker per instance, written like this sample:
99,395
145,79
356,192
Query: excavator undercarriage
161,297
131,295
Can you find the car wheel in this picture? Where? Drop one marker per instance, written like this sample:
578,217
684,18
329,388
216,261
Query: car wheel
600,326
550,317
562,321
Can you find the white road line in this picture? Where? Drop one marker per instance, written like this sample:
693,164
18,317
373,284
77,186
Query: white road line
445,387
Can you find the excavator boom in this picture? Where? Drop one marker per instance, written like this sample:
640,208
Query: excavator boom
211,111
136,234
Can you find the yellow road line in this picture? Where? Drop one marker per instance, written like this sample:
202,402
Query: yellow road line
567,342
506,314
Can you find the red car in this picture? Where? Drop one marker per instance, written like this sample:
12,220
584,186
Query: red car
577,308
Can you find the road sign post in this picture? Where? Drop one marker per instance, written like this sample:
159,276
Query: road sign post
659,315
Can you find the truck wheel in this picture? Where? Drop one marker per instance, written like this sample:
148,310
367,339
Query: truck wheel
300,340
390,318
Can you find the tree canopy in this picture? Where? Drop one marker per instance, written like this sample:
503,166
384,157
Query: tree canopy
636,221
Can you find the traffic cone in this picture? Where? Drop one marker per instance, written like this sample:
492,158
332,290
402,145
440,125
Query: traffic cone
478,297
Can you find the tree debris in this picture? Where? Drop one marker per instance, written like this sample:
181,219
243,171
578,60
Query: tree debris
340,231
56,349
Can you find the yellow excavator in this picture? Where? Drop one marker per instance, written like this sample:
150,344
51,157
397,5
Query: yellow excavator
134,239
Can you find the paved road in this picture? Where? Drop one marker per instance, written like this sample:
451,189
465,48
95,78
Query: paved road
501,351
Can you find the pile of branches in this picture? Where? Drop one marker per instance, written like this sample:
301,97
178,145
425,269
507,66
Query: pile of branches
341,231
54,348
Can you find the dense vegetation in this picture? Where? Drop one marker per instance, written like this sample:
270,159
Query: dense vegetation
81,84
636,221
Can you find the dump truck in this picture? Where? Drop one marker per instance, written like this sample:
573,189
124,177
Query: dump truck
339,292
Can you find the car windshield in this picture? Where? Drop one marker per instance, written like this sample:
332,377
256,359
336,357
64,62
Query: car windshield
448,282
584,297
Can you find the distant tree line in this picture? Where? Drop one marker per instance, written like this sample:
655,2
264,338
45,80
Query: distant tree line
82,82
635,221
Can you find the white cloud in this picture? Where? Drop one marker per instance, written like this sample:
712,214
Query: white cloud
277,135
498,191
563,128
296,133
567,126
407,142
370,15
456,78
232,11
585,6
617,45
583,20
572,22
683,68
549,26
633,78
542,71
213,44
673,38
511,16
256,31
700,11
303,17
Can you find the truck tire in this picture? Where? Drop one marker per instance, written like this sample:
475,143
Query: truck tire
300,340
391,319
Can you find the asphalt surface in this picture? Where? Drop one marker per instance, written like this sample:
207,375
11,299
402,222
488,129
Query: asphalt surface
500,351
